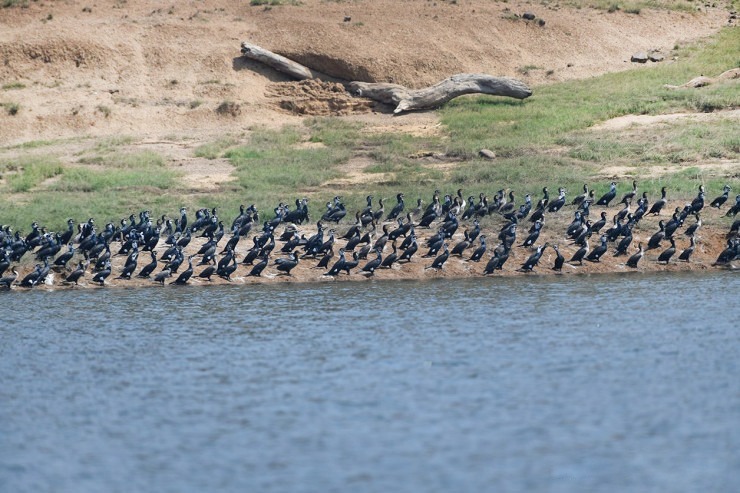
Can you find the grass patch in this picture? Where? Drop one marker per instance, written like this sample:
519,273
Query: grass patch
13,85
633,6
87,180
515,128
11,108
214,150
30,172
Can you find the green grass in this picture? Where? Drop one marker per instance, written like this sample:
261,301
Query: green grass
13,86
214,150
11,108
30,172
545,140
634,6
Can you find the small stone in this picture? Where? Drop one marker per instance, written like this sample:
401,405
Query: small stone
541,22
655,56
528,15
487,154
639,57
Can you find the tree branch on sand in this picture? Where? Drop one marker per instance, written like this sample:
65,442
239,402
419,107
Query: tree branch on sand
403,98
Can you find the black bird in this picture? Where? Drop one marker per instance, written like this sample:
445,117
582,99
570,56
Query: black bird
61,261
77,274
409,251
596,254
207,272
369,268
691,230
559,260
578,200
398,208
8,281
580,253
461,245
666,255
608,196
532,238
698,203
259,267
686,254
185,275
497,261
324,262
732,212
338,266
655,240
634,259
719,201
287,264
101,276
533,260
629,196
147,270
558,203
390,259
728,254
226,271
439,262
659,204
598,225
623,245
32,278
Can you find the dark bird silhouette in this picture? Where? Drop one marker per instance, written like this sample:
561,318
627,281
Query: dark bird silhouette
665,255
635,258
608,196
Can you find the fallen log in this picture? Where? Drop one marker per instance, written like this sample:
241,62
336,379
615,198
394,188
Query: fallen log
702,81
278,62
403,98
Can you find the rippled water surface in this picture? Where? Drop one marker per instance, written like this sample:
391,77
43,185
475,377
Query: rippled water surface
604,383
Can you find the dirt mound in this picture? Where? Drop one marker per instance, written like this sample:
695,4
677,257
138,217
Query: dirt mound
136,67
315,97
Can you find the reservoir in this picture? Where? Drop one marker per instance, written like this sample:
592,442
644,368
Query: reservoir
541,384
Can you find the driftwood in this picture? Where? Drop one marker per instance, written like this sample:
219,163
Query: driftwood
403,98
702,81
278,62
434,96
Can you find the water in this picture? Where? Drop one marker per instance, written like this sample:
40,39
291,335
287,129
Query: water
604,383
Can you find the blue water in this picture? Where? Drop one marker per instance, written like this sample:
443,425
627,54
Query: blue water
603,383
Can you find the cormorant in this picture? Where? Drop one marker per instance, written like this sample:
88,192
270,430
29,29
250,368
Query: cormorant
324,262
207,273
558,203
259,267
338,266
398,208
409,251
369,268
635,258
101,276
390,259
559,260
578,200
629,196
655,240
596,254
623,245
580,253
686,254
608,196
660,203
75,275
8,281
732,212
287,264
666,255
185,276
439,262
691,230
149,268
719,201
462,245
533,260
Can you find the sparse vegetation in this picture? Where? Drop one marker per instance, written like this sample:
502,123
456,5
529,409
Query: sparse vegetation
30,172
104,110
13,85
11,108
228,108
214,150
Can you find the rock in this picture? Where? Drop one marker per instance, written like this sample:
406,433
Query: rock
655,56
541,22
487,154
528,15
639,57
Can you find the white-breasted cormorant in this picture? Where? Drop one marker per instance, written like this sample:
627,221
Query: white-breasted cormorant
608,196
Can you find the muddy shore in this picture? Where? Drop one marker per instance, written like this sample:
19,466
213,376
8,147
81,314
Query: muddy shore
711,239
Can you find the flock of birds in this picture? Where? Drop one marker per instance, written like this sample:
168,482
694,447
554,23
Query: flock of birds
86,250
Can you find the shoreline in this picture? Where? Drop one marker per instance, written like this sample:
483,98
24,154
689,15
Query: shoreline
710,241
